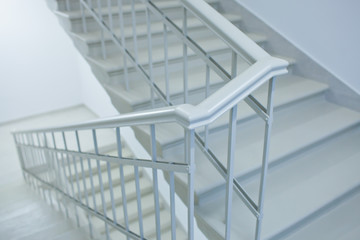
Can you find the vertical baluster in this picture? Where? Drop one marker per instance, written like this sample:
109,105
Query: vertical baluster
230,170
43,161
190,160
155,182
84,183
185,73
207,93
122,181
264,166
149,40
18,145
77,180
233,64
38,164
100,182
111,192
67,5
133,19
71,179
51,167
110,16
57,174
83,19
138,199
167,91
103,49
92,184
89,3
31,153
123,43
172,206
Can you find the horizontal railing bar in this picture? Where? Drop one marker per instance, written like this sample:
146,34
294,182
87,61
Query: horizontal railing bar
160,115
87,209
165,166
244,196
257,107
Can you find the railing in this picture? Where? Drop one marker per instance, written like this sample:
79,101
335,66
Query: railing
62,159
193,118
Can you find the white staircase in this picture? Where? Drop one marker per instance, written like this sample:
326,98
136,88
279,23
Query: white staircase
313,180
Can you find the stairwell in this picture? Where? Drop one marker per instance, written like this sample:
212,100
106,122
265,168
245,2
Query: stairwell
312,184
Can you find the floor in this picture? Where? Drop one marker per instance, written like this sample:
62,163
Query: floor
23,213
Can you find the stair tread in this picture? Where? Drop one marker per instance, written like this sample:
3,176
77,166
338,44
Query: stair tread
141,29
331,225
318,121
289,88
315,178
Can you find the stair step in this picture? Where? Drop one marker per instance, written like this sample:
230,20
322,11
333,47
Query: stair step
115,175
314,178
145,188
147,208
114,63
89,44
306,124
137,97
72,20
148,225
288,90
331,225
141,29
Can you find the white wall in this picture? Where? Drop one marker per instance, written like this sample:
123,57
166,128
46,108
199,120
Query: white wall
327,30
38,63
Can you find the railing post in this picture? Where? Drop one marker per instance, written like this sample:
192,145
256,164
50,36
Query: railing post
149,41
84,183
155,182
230,170
100,182
19,153
185,73
190,160
122,181
265,159
123,43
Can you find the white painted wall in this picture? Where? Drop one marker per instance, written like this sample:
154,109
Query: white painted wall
38,64
328,31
